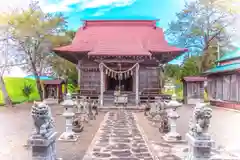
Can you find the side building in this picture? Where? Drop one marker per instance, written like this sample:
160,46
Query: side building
224,81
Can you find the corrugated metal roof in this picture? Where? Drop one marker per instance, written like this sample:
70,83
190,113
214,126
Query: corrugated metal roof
224,68
120,38
230,55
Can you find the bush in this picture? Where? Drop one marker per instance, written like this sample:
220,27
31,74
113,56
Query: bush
27,90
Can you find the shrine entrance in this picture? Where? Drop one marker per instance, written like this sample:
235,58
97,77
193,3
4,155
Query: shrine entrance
51,92
113,84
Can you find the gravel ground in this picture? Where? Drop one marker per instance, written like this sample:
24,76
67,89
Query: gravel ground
16,126
224,127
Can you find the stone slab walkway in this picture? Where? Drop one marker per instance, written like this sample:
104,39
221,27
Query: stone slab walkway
119,138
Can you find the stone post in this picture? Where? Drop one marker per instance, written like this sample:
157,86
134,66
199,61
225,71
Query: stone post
43,140
173,135
137,84
199,140
68,105
101,84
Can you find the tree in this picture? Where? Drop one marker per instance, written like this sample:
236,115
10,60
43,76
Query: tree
33,30
5,61
191,67
61,67
173,71
200,27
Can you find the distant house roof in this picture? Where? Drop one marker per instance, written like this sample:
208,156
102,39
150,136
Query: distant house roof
194,79
223,68
40,77
230,55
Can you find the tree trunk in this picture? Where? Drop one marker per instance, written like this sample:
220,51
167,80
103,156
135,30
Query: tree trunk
65,86
7,100
38,83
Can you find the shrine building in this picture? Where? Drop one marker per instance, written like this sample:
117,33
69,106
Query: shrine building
119,55
224,81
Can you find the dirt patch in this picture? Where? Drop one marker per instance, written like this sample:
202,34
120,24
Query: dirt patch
16,126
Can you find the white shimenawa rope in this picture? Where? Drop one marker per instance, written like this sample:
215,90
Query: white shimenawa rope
120,72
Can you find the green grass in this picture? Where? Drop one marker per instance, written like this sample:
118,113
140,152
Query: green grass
14,87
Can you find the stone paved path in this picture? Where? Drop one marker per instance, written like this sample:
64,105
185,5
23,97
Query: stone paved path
118,138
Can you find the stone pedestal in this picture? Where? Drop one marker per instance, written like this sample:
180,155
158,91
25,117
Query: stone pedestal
173,135
68,135
199,147
43,148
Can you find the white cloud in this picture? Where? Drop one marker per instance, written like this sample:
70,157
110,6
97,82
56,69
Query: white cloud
64,5
98,3
101,12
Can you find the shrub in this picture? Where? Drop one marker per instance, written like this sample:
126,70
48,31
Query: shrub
27,90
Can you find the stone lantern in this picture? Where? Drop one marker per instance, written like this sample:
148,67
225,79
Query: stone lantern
68,105
173,135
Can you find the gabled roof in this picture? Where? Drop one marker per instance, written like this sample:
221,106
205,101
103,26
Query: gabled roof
119,38
230,55
223,68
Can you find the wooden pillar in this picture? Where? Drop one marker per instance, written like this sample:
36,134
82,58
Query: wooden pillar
44,91
137,84
79,72
57,87
101,83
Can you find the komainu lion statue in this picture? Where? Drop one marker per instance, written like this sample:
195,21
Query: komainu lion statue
42,118
201,120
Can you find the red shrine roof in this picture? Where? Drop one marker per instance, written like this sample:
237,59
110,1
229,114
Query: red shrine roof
119,38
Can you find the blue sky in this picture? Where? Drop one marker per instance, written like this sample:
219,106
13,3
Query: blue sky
75,10
163,10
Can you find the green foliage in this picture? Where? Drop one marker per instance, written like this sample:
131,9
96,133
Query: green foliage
27,90
173,71
191,67
71,88
14,88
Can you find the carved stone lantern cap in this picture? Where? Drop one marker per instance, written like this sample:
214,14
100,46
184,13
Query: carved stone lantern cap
173,103
68,102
